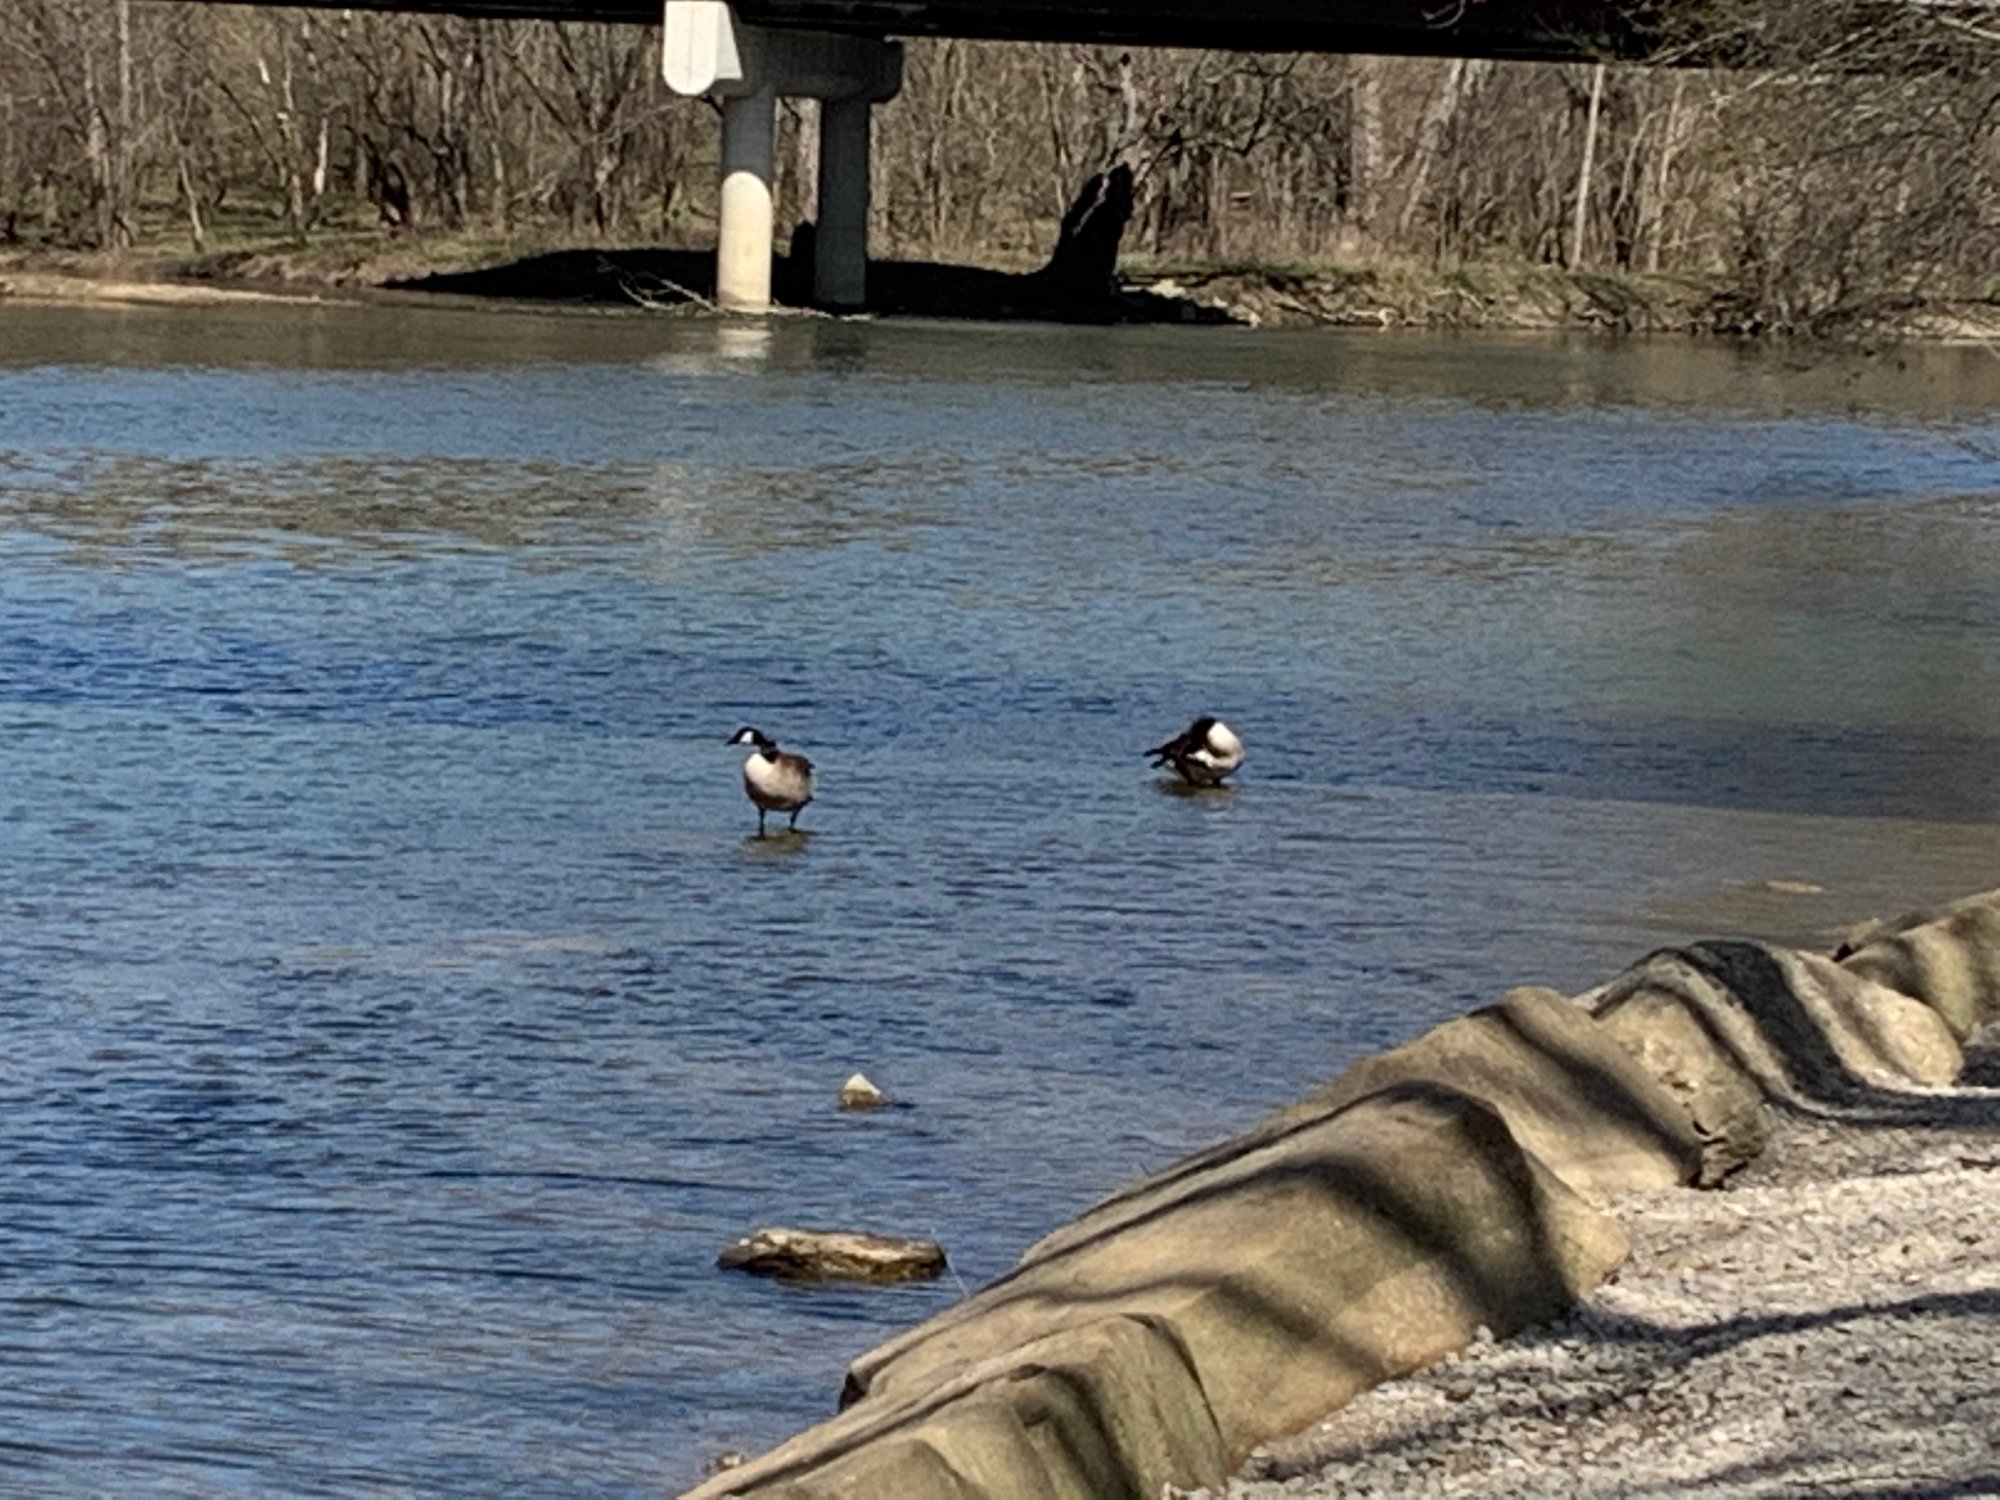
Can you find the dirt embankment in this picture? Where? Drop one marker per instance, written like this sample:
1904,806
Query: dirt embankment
1517,297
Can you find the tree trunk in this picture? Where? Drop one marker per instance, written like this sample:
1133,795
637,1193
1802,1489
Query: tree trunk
10,167
290,144
1364,147
321,160
1583,174
197,231
1461,81
1084,266
123,210
1653,213
97,152
803,184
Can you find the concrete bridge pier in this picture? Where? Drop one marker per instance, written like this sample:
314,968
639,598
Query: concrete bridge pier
748,212
707,50
840,241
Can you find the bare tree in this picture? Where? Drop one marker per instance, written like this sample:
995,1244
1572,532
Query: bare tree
587,79
1861,171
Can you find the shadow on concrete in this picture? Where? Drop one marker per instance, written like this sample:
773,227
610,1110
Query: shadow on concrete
1599,1090
1593,1089
1710,978
1752,975
684,280
1522,1278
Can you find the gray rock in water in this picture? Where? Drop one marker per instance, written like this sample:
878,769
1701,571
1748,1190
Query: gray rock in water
834,1255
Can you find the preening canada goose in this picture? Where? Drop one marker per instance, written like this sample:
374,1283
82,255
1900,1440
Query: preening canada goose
1205,752
776,780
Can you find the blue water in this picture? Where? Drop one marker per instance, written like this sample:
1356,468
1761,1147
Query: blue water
396,1015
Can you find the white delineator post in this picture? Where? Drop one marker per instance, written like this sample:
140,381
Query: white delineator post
707,50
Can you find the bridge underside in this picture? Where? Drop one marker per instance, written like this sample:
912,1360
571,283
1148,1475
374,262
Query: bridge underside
1527,30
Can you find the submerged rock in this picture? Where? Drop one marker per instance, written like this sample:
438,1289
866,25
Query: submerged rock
834,1255
859,1093
723,1462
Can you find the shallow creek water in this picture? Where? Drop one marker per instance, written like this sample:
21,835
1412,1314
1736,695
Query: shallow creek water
396,1016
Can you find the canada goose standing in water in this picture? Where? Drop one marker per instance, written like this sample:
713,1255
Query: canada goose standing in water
776,780
1205,752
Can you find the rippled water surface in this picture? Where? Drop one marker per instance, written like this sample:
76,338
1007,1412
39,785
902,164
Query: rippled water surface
398,1017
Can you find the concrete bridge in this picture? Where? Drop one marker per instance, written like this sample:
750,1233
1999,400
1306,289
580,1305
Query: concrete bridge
748,53
1523,30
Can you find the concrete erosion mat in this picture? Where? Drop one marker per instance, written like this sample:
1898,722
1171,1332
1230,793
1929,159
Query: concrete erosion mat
1443,1194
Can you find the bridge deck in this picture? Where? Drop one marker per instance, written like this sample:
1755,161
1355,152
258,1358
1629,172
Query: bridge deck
1544,30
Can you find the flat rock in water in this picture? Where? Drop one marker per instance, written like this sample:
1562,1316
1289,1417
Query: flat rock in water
834,1255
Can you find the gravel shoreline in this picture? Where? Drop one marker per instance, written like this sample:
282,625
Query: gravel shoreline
1827,1324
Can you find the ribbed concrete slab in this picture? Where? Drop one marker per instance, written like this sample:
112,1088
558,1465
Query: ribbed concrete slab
1949,958
1303,1268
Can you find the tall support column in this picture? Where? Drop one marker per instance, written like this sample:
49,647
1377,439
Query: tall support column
743,235
840,244
706,49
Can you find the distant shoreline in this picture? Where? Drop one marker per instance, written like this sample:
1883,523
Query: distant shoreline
1388,295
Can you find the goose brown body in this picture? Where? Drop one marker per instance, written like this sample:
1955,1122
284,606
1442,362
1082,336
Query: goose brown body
774,780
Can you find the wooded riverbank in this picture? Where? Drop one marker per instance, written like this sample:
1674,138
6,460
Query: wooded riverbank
1392,295
1845,193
